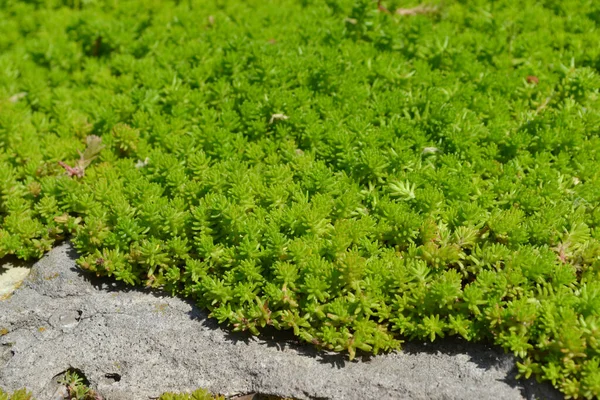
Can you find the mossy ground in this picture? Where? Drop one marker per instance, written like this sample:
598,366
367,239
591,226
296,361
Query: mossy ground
361,173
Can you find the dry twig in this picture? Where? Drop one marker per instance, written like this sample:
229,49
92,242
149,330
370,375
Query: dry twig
421,9
94,146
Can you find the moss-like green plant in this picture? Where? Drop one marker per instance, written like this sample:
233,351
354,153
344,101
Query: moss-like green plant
77,388
359,172
199,394
21,394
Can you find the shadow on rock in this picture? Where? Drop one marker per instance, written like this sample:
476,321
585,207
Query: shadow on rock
485,356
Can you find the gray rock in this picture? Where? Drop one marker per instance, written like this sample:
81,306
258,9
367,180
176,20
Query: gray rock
11,277
134,344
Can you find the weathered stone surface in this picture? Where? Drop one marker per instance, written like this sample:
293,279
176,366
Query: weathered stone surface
133,344
11,277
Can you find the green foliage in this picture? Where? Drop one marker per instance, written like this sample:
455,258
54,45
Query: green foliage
21,394
199,394
356,176
77,388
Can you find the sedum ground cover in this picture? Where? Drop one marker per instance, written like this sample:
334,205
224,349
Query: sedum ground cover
360,173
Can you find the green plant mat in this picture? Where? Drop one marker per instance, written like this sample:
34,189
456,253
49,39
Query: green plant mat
17,395
359,173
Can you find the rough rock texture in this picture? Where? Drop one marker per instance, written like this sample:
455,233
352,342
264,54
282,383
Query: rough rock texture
133,344
11,277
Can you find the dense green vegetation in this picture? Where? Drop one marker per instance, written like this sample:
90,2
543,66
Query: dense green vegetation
359,175
17,395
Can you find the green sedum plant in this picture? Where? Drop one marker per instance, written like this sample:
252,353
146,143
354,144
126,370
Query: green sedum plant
199,394
359,173
76,387
17,395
